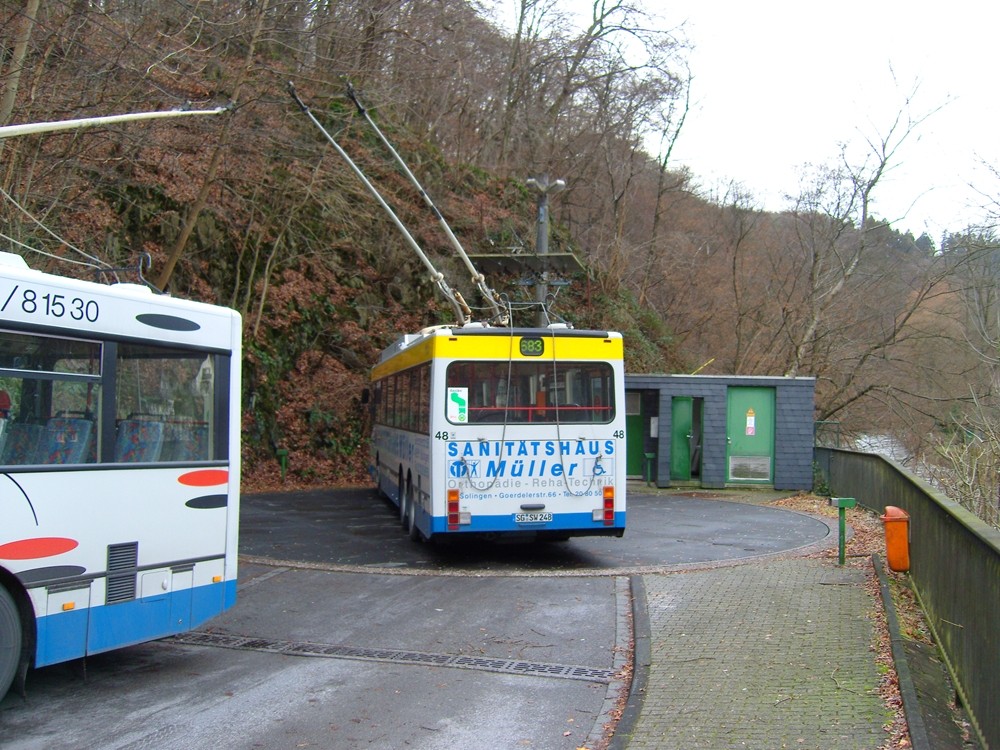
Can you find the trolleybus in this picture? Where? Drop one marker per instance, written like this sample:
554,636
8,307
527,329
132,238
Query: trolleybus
119,465
502,431
484,428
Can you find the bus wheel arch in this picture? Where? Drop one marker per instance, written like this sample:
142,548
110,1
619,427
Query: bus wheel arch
411,513
378,475
405,500
17,634
401,496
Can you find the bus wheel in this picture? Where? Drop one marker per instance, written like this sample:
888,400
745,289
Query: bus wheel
378,476
10,640
401,498
411,519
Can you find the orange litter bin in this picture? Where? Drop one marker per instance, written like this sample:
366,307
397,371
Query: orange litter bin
897,538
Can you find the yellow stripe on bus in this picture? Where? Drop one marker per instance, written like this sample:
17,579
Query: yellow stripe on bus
565,348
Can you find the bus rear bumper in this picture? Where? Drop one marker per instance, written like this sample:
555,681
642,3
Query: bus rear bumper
562,526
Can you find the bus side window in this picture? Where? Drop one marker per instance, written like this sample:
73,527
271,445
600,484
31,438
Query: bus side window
165,405
138,441
50,420
18,438
4,414
20,443
66,440
185,441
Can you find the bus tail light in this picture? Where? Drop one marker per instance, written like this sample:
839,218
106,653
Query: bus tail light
453,512
609,506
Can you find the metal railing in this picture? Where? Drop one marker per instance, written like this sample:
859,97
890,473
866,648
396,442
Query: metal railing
954,568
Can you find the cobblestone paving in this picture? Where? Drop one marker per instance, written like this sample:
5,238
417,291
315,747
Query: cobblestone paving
761,656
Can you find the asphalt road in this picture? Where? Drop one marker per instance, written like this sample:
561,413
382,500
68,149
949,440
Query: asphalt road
356,530
348,635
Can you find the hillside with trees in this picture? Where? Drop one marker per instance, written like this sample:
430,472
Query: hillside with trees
253,209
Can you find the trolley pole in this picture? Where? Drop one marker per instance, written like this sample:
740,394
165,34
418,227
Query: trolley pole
544,188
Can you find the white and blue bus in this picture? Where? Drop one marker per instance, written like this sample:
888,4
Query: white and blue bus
502,431
119,465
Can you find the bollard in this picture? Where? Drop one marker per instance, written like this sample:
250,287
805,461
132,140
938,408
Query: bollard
842,504
649,468
897,538
283,460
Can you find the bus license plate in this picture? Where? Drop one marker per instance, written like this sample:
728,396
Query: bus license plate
532,517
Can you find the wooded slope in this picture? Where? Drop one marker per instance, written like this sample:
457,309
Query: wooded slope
255,210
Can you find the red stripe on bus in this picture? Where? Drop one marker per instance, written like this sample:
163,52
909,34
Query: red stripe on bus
204,477
43,546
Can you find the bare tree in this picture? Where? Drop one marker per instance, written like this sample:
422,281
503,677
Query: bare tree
175,253
670,124
15,65
965,455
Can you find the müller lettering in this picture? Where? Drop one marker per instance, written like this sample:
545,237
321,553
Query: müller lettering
533,468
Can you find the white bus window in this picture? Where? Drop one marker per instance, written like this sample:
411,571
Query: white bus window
402,400
389,401
164,404
52,397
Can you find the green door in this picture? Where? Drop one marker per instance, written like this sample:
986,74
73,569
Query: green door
681,432
750,435
635,460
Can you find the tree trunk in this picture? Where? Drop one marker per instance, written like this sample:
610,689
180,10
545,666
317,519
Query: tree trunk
16,64
163,280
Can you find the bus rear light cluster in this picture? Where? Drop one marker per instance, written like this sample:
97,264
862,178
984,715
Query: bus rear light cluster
609,506
454,516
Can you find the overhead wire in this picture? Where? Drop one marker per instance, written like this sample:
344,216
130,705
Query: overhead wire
29,248
489,295
93,260
466,468
458,303
559,439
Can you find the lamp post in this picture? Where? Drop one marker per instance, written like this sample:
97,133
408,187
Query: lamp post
544,188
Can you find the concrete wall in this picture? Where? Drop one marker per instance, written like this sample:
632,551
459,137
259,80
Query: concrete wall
954,566
793,424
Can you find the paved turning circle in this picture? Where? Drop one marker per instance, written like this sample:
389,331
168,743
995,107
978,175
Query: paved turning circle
357,530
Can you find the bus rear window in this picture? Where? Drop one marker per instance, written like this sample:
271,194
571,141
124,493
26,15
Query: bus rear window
498,392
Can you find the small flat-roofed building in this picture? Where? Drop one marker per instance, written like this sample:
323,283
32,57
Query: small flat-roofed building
716,431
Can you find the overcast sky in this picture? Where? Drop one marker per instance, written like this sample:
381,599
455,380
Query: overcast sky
781,83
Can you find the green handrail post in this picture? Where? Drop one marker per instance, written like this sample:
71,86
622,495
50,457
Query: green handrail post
842,504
